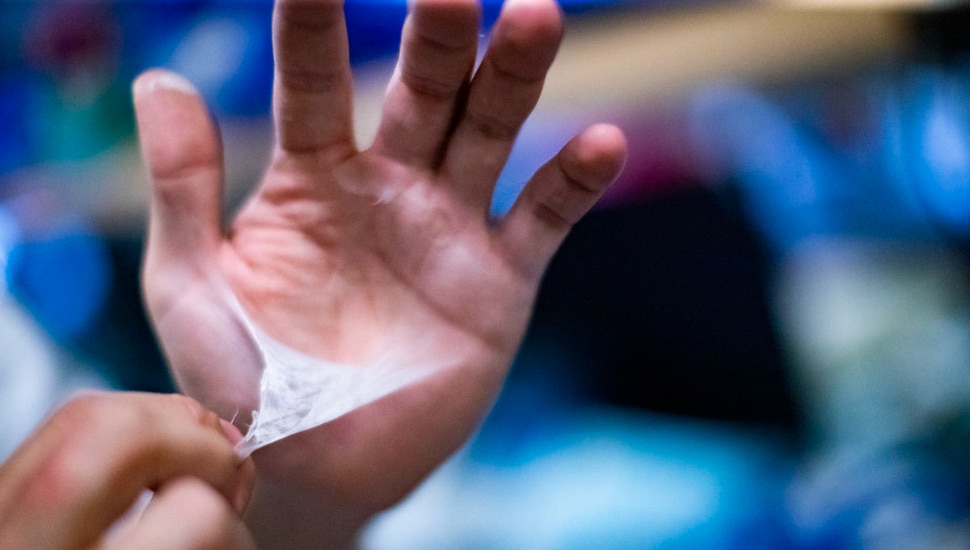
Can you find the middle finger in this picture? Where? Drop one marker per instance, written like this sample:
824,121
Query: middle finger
312,88
503,93
438,48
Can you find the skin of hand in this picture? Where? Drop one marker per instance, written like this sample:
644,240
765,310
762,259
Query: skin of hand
350,254
89,462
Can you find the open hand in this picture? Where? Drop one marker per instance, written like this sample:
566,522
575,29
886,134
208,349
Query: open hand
349,254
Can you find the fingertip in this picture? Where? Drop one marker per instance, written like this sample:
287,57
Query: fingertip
154,80
597,154
531,31
230,430
609,137
174,125
537,14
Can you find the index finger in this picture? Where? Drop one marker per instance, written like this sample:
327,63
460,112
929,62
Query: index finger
204,521
312,88
90,461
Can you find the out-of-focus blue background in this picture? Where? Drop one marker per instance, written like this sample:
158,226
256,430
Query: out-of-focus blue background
760,339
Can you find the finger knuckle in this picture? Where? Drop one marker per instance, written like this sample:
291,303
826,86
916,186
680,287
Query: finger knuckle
312,81
84,454
492,126
92,412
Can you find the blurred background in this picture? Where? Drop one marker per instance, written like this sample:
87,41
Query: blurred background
759,339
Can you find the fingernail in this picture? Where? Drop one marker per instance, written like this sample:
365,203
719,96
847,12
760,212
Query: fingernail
164,80
230,431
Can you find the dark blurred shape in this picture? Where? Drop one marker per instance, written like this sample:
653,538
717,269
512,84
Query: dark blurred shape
79,105
935,114
941,35
663,306
68,38
121,340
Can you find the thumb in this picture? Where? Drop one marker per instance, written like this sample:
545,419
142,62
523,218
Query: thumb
186,514
184,157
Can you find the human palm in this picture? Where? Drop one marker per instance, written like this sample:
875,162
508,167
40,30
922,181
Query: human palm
353,256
